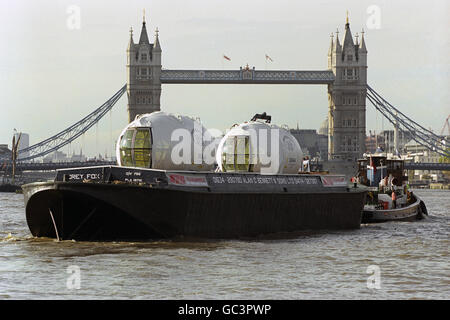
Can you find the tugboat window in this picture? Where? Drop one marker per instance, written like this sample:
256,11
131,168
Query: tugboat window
236,154
135,148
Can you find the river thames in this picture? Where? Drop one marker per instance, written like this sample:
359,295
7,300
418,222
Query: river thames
395,260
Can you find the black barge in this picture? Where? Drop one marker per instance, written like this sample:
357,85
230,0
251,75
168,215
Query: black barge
120,203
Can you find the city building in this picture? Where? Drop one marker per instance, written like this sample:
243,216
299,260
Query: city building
313,145
387,142
418,153
57,156
24,142
78,157
371,142
324,128
5,152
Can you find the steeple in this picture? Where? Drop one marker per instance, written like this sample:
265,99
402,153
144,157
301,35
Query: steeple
144,37
131,42
362,44
156,45
330,50
348,39
337,44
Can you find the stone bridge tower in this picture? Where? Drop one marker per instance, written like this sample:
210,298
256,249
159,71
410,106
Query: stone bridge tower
143,74
347,97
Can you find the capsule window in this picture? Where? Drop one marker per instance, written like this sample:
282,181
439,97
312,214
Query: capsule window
135,148
236,154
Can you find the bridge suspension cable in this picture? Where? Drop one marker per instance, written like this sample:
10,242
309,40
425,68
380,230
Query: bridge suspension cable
418,133
68,135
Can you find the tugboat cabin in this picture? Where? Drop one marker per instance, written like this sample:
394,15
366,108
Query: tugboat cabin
374,168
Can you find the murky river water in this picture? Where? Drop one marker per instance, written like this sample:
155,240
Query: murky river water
403,260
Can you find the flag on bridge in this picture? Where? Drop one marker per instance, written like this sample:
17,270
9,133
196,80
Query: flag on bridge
225,57
268,58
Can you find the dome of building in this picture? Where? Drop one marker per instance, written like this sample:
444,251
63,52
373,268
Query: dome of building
324,127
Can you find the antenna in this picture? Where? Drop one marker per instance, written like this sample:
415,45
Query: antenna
446,124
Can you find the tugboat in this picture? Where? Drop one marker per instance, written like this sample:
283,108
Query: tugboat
152,195
389,197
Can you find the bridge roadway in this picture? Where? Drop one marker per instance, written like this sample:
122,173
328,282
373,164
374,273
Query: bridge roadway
247,76
427,166
34,166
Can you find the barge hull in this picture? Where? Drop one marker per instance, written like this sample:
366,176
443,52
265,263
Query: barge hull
115,212
125,211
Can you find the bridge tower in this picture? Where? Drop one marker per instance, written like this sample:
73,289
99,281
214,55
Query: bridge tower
143,74
347,97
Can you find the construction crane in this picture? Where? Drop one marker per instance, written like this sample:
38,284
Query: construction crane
446,125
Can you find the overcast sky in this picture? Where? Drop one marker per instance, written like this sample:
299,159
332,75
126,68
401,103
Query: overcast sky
52,73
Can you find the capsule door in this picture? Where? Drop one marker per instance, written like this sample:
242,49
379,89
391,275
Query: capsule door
136,148
236,154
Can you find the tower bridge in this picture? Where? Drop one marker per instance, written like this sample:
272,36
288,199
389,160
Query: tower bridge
345,78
